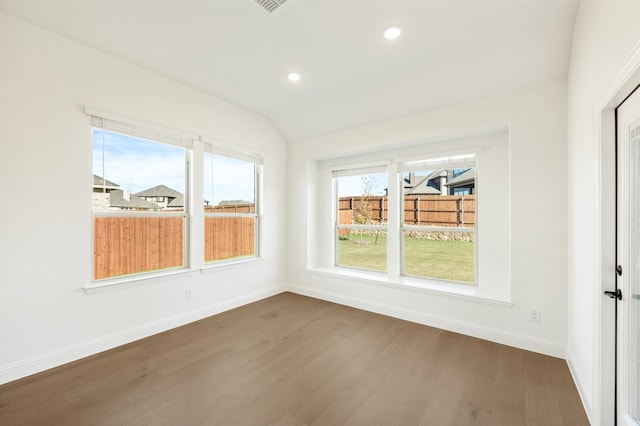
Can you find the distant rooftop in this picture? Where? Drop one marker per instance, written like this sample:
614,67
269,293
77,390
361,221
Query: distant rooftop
159,191
100,181
233,202
117,199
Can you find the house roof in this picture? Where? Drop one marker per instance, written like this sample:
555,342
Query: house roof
437,173
422,188
117,199
463,179
100,181
177,202
159,191
233,202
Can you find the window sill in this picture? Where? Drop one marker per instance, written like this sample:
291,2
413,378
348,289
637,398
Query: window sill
437,288
134,280
209,267
150,278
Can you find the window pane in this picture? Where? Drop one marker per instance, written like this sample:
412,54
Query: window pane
440,198
136,174
440,255
230,208
133,176
132,244
365,249
362,200
228,182
228,238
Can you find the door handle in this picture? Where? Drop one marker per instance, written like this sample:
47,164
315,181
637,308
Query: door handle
614,294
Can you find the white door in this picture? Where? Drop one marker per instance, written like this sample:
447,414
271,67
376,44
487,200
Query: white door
628,260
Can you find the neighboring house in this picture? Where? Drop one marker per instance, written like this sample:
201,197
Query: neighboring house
123,200
441,182
432,184
162,197
103,185
177,203
102,192
108,195
233,202
462,183
234,206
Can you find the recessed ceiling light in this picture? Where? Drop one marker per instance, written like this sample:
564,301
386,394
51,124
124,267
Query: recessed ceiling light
392,33
293,76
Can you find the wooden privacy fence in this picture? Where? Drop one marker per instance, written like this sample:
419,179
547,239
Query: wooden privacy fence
440,210
426,210
227,237
128,244
231,208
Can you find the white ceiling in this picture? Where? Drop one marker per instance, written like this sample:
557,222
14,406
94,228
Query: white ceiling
450,50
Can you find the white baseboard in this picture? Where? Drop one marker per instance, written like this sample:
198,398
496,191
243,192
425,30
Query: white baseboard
62,356
546,347
581,391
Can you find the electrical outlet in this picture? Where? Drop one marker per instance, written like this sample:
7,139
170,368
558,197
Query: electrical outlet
187,295
535,316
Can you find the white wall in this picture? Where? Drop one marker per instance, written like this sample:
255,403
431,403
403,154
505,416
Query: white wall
46,175
536,119
605,32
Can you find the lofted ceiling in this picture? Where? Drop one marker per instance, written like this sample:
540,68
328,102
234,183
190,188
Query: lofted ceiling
449,51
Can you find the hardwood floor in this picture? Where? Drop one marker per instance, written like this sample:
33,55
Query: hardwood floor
293,360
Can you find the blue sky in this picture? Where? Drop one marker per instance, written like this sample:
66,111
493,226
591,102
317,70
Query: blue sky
354,185
136,164
228,179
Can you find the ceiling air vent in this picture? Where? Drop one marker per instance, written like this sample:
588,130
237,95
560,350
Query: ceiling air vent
270,5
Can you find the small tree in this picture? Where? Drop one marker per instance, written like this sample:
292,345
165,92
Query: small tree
362,210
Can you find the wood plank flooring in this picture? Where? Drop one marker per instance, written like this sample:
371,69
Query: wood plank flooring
294,360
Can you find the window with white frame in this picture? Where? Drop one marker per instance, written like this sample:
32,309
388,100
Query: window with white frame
231,205
361,218
438,224
149,216
139,194
432,209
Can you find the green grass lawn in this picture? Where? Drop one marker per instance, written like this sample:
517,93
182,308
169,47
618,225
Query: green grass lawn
448,260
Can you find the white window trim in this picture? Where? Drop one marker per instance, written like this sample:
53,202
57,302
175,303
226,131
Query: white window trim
257,214
393,277
139,128
491,147
394,226
155,136
135,280
451,290
465,160
195,146
212,266
344,171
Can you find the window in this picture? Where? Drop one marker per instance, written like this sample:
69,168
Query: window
151,217
475,168
132,234
361,230
231,206
435,228
439,219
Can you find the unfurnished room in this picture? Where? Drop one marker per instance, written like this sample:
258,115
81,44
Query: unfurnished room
320,212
